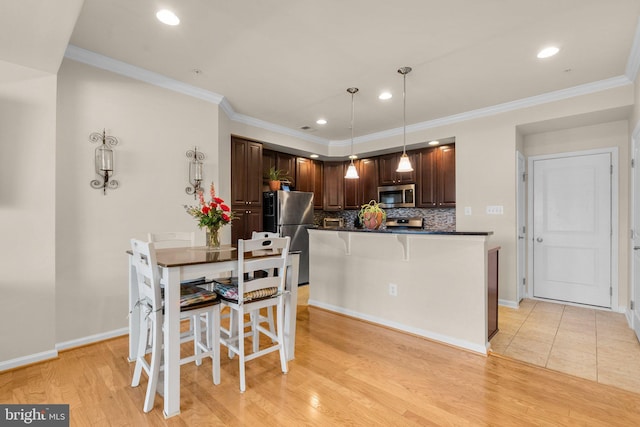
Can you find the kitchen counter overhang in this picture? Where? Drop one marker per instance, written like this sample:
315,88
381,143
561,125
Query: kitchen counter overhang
440,279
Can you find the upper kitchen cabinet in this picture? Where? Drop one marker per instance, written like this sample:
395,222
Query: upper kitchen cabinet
246,172
283,161
388,164
436,186
333,186
309,178
364,189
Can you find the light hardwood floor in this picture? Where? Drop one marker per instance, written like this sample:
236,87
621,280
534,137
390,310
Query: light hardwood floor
346,372
593,344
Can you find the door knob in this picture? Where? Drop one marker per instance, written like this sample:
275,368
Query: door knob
635,248
539,240
520,237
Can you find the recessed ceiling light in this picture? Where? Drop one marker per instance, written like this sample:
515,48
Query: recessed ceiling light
384,96
434,142
321,121
547,52
167,17
313,156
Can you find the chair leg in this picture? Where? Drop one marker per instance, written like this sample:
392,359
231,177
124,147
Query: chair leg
280,321
240,323
270,321
145,336
197,338
233,320
213,336
255,333
156,355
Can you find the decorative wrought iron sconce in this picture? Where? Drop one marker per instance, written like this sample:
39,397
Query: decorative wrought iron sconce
104,161
195,171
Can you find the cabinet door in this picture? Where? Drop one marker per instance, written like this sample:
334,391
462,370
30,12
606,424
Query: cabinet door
247,220
238,174
287,163
253,173
333,186
304,174
318,185
352,188
427,185
447,176
387,166
368,171
268,162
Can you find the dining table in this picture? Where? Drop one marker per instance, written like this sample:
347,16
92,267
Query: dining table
186,263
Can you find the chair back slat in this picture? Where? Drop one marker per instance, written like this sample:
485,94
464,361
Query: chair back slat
147,273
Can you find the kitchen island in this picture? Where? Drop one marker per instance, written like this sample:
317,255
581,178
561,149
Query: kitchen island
428,283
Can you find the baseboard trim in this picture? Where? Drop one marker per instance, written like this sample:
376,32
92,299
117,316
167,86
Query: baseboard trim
20,362
508,303
482,349
91,339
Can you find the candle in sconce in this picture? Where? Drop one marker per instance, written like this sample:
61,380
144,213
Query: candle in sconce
197,175
105,158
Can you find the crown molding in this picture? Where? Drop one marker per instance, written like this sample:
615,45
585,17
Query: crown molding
106,63
100,61
633,63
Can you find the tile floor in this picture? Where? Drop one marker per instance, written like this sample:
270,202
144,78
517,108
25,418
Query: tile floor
592,344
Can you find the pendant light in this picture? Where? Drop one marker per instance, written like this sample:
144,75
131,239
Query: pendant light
405,164
352,172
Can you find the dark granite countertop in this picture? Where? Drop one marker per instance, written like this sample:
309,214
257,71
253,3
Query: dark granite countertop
409,231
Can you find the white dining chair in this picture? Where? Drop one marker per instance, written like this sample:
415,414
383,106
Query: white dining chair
194,302
250,292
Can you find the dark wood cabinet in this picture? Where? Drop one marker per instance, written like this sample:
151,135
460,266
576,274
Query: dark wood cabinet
436,185
287,163
246,187
492,289
309,178
447,176
246,221
333,186
388,164
364,189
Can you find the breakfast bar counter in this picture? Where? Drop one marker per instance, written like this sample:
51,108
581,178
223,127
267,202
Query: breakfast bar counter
428,283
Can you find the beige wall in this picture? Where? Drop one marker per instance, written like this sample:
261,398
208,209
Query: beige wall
605,135
27,211
155,128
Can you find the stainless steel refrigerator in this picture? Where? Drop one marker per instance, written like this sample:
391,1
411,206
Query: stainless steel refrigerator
290,213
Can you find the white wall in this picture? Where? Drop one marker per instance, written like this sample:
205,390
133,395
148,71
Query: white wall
27,211
155,128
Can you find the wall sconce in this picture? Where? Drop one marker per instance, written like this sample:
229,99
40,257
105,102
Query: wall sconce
195,171
104,161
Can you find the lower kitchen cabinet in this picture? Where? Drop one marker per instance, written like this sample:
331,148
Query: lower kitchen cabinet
246,221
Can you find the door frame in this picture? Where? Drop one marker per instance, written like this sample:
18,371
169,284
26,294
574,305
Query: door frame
521,209
615,219
632,320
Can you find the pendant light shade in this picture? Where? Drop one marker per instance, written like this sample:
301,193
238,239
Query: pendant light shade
405,164
352,172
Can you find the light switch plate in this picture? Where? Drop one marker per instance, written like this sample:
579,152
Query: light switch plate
467,210
495,210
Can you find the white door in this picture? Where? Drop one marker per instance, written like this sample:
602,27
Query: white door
521,232
636,235
572,228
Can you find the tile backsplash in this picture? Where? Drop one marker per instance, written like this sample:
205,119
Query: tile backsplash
442,219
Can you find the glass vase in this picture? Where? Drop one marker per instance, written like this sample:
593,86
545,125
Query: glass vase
213,237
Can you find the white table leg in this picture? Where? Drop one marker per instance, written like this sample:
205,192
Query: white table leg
171,278
134,312
291,305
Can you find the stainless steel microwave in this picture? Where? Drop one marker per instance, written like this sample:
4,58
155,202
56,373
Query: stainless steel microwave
397,196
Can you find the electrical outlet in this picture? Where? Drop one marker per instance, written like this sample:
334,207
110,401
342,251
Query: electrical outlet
393,289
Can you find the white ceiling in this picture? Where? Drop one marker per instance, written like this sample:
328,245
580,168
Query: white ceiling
289,62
